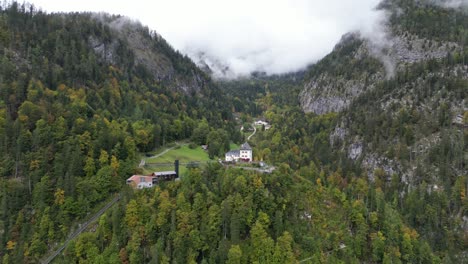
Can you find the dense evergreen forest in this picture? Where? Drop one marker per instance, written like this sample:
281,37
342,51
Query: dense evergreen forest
78,106
72,122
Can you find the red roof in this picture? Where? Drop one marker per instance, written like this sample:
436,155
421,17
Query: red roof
137,179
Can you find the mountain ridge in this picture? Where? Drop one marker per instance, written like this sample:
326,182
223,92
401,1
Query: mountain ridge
408,127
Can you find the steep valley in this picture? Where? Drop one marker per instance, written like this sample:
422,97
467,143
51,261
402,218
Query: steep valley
369,146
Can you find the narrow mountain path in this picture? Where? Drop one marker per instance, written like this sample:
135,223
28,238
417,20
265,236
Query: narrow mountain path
143,161
262,170
255,131
83,227
166,150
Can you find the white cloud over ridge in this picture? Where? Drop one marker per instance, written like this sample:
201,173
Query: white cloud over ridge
274,36
451,3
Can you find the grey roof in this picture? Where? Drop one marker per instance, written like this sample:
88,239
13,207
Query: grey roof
245,146
164,173
235,153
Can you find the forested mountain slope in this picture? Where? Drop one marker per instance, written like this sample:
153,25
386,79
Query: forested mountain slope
402,105
416,32
394,116
403,113
80,95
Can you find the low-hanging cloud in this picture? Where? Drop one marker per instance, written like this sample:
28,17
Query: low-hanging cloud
451,3
270,36
243,36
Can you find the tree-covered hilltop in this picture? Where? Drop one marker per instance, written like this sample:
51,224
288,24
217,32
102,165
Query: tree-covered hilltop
77,104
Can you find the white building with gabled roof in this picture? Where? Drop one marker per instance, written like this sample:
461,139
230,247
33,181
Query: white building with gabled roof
242,154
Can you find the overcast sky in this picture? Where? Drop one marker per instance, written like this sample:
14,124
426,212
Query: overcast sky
275,36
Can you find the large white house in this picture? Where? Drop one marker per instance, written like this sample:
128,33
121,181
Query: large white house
242,154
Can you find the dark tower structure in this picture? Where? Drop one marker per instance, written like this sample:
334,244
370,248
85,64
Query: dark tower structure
176,168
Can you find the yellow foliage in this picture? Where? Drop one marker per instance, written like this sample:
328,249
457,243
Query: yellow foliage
463,192
257,182
378,236
165,208
11,245
106,121
114,164
23,118
373,218
59,196
50,93
34,165
132,214
85,140
77,96
295,150
395,251
381,236
79,121
62,87
103,158
358,204
412,233
114,70
32,94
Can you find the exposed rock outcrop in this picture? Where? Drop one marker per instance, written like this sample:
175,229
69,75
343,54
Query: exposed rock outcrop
150,51
355,150
324,93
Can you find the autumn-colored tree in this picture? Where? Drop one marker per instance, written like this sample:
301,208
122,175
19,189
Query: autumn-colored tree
59,196
262,244
114,165
103,158
234,255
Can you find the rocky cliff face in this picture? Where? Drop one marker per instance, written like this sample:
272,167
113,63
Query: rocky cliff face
333,91
397,99
427,106
150,52
331,88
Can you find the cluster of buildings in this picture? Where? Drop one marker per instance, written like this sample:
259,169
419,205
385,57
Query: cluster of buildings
245,152
148,181
262,123
242,154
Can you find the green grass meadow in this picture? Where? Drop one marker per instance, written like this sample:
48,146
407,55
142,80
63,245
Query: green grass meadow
183,154
233,146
